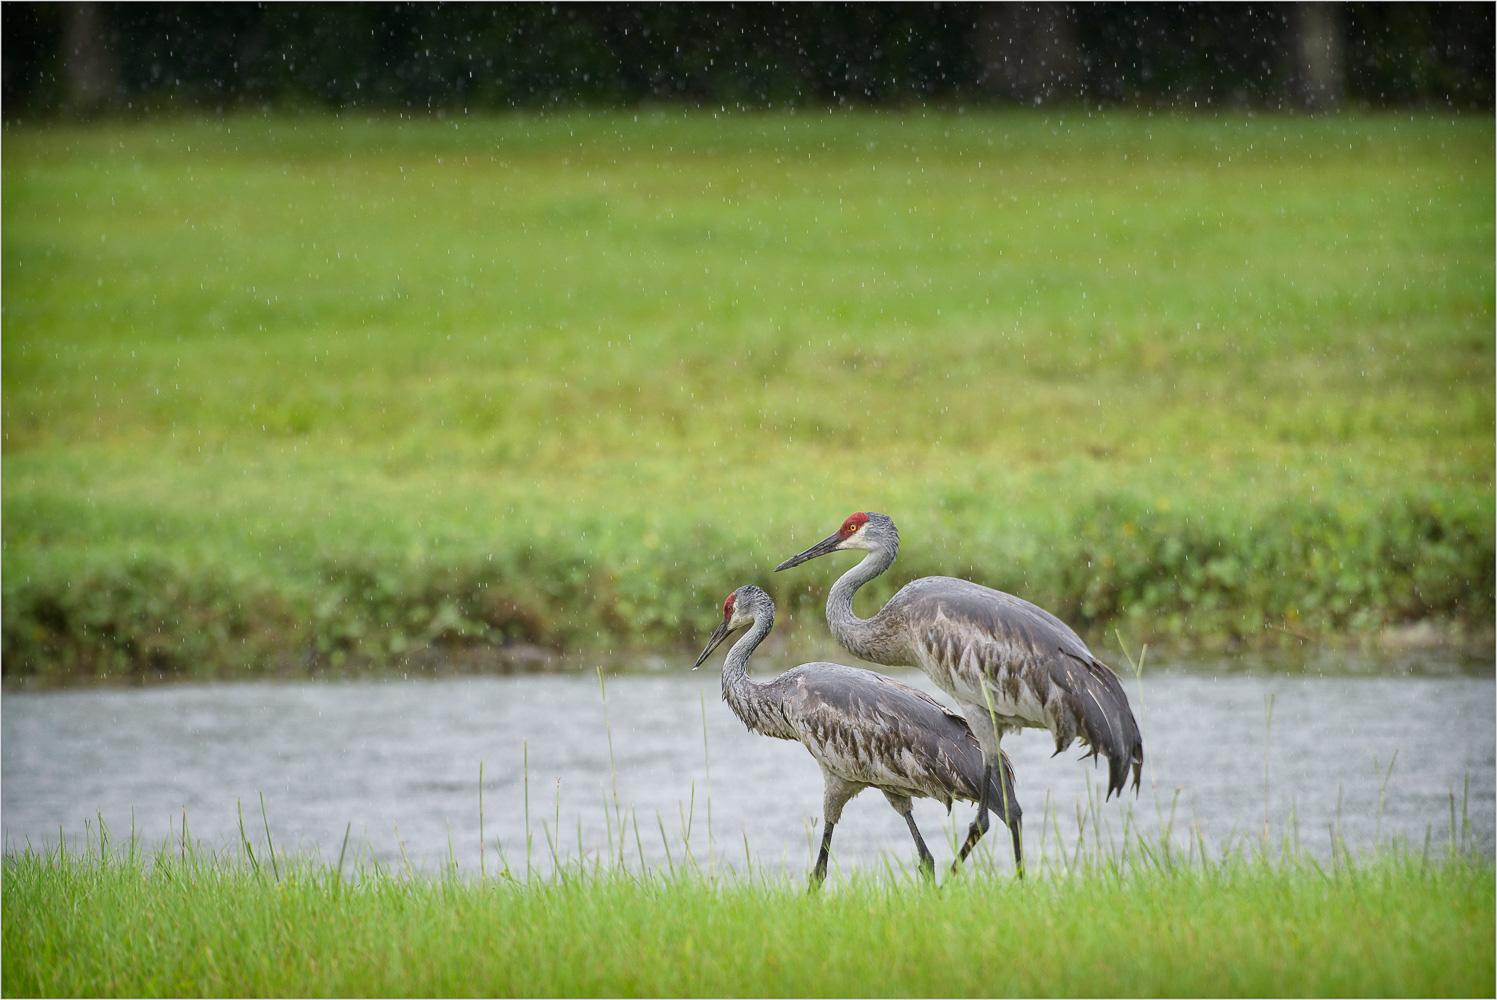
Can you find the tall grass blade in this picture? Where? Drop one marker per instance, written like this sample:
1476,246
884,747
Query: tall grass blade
1465,814
1377,837
401,844
1268,700
687,817
707,767
244,839
1452,819
269,844
344,849
529,839
665,841
639,843
612,766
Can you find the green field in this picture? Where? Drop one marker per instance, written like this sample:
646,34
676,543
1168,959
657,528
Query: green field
1397,925
297,392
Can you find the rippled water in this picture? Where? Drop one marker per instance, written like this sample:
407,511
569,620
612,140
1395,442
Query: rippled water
404,755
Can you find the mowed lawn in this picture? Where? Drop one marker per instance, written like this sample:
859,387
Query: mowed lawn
305,388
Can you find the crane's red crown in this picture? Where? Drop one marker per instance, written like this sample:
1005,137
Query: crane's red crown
853,524
728,604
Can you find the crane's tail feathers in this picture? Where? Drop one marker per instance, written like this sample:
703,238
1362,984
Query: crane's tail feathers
1102,719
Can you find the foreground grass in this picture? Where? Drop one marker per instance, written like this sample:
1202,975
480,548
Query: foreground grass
1392,926
299,390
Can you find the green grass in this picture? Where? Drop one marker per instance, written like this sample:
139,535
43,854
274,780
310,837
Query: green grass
308,390
1391,926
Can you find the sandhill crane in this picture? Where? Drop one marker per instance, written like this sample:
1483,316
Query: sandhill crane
1008,663
864,729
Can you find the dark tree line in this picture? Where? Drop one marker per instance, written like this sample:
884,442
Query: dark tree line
79,58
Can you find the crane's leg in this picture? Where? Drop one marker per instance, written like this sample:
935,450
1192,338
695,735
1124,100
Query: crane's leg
836,793
927,859
818,874
988,732
905,808
1008,811
1003,803
980,822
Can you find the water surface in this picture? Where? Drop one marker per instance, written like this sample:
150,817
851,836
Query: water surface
399,762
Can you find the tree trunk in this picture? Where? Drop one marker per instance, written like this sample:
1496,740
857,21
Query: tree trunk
89,68
1029,52
1319,53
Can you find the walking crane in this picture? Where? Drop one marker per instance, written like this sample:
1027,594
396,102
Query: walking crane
1008,663
864,729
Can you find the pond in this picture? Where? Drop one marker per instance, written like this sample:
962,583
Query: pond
395,765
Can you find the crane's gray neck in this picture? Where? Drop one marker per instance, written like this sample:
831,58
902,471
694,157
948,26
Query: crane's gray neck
750,700
868,638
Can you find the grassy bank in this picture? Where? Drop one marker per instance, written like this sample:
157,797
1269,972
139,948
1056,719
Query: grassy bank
1393,926
293,392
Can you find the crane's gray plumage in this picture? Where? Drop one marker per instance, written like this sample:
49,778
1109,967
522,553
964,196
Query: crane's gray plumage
864,729
1008,663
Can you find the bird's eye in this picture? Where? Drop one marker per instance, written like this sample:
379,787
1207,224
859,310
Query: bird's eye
853,527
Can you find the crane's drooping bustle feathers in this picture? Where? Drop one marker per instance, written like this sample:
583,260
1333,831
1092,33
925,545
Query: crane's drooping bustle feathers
1108,721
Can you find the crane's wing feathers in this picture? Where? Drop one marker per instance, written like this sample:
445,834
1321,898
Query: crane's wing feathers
1035,667
874,729
986,611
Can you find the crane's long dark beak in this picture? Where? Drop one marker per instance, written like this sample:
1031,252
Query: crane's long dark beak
723,631
821,548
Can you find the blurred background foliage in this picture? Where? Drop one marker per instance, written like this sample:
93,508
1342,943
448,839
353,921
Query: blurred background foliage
136,57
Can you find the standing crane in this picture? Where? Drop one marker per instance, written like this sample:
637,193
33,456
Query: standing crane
1008,663
864,729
